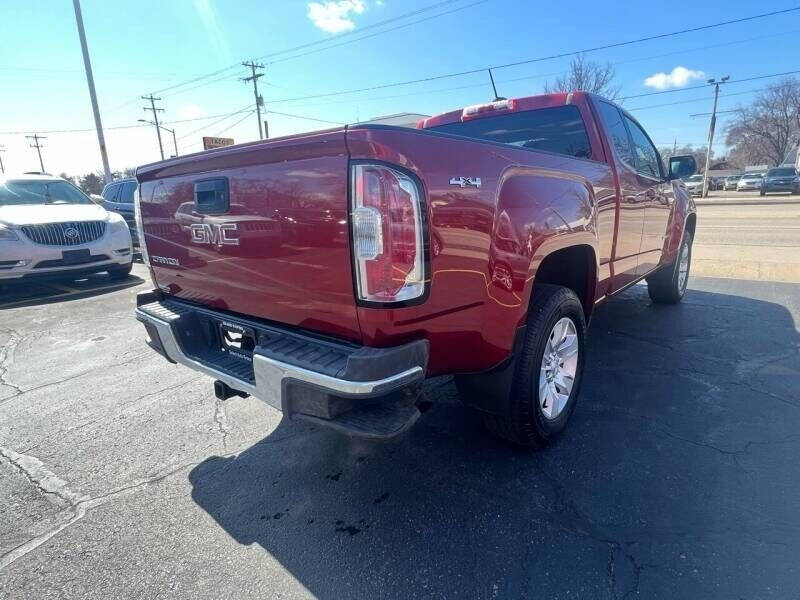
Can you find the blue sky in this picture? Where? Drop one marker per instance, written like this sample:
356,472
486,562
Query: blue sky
147,45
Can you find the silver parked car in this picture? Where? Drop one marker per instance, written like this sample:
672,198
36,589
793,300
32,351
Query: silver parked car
49,227
750,181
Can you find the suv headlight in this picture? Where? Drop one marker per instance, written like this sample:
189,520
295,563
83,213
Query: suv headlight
7,234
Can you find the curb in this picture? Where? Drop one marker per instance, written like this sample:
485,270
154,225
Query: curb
746,202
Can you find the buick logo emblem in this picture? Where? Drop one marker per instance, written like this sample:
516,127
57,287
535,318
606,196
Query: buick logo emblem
71,233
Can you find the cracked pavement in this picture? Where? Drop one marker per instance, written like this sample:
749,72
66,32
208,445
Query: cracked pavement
122,476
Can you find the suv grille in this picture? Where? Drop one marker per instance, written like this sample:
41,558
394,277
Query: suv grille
65,234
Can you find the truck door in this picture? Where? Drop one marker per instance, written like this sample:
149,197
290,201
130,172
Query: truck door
632,198
658,198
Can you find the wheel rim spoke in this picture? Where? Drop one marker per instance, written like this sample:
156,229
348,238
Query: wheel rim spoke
559,368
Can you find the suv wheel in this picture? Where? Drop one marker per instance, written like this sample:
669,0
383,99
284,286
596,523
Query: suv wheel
668,284
547,376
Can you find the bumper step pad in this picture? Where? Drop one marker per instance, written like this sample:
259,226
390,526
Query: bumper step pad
376,422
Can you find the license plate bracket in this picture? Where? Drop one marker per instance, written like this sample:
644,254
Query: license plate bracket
237,340
75,257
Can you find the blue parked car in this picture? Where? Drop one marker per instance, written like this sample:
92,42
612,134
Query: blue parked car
118,197
781,179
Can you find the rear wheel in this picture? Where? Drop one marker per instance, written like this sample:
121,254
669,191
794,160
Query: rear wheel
668,284
547,376
120,273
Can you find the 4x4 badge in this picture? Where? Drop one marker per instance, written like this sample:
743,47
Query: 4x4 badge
466,181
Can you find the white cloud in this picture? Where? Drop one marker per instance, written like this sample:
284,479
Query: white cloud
187,110
679,77
333,16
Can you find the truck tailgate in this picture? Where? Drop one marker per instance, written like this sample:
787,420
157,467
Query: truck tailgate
278,249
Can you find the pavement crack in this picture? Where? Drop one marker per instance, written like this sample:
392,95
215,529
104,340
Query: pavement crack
7,359
221,421
21,391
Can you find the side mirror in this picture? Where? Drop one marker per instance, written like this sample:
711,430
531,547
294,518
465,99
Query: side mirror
682,166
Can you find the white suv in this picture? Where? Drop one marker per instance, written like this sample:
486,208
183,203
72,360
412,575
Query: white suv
48,227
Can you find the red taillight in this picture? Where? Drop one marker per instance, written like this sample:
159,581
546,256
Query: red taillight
387,234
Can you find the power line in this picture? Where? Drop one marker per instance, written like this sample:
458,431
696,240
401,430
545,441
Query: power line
229,127
404,25
359,30
283,114
542,58
205,118
236,65
226,117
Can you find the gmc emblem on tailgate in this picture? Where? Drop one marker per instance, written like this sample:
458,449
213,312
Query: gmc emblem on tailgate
214,235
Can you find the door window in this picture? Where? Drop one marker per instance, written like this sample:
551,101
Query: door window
110,192
618,135
647,161
126,193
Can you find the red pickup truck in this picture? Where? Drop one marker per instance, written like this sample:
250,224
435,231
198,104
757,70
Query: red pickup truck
330,273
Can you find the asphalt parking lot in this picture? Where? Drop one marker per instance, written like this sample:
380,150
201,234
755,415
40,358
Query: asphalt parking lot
122,476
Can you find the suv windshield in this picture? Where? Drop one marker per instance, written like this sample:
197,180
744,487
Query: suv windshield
20,191
783,172
694,178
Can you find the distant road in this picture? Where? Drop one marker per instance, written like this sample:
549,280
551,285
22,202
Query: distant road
752,241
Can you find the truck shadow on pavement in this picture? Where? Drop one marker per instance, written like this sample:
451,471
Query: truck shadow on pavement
673,479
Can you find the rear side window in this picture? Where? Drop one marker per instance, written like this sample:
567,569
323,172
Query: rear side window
618,135
559,129
127,191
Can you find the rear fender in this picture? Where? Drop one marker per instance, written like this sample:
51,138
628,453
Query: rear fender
539,211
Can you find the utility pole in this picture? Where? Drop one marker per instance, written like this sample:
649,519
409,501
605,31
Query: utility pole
155,110
674,146
259,100
90,80
711,126
38,147
2,168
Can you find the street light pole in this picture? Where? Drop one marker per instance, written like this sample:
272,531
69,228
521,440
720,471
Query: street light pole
92,94
160,126
711,127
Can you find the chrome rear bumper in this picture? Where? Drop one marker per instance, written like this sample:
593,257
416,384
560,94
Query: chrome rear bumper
347,377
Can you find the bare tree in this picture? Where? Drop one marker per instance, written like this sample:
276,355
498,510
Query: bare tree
699,154
765,131
587,76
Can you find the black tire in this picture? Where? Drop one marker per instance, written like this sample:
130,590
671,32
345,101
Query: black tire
524,423
664,286
119,273
763,193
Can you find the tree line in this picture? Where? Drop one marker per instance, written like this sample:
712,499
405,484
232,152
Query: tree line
93,183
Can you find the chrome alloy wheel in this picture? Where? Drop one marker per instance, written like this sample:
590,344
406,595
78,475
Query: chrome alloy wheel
683,266
559,366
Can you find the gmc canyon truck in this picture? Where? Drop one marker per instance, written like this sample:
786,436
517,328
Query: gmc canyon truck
328,274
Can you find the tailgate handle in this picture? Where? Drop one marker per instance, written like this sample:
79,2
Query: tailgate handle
211,196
